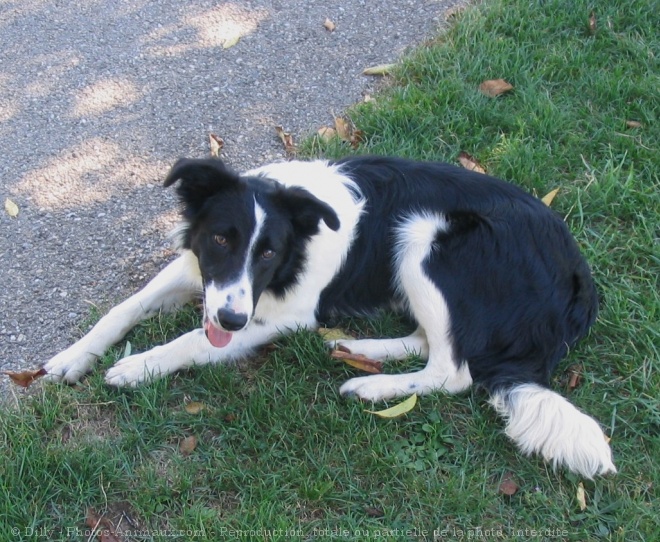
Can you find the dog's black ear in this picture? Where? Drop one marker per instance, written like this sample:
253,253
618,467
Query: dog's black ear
200,179
306,210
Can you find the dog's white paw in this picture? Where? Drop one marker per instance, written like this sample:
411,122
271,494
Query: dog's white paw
134,370
379,387
70,365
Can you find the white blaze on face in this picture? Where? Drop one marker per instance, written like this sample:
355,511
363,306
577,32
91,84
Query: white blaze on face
235,296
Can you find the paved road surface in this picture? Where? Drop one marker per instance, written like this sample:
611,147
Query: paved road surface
99,97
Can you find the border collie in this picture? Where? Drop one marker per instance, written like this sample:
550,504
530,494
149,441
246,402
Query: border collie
491,276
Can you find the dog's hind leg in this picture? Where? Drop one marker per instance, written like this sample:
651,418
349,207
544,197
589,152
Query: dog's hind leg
428,306
177,284
384,349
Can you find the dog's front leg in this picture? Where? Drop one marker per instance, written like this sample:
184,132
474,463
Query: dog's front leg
189,350
177,284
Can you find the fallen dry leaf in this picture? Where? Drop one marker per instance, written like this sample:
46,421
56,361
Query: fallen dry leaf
217,144
346,132
25,378
592,23
581,497
547,199
188,445
575,372
329,25
633,124
11,208
326,133
287,139
101,527
230,42
374,512
454,11
357,137
508,485
128,349
470,162
343,129
358,361
194,407
381,69
333,334
396,410
66,434
495,87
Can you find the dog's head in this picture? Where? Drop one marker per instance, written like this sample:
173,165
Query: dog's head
249,235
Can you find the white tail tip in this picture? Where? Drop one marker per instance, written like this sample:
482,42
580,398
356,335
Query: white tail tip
541,421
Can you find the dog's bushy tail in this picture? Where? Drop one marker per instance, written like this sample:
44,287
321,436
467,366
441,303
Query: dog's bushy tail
541,421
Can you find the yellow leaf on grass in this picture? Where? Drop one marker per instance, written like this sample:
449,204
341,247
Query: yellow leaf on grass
470,162
194,407
333,334
581,497
495,87
188,445
547,199
11,208
381,69
397,410
593,25
326,133
342,129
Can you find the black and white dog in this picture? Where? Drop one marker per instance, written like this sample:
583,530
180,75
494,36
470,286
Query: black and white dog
491,276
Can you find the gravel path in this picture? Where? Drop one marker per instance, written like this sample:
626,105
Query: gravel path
97,100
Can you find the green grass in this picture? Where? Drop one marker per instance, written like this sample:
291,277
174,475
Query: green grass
279,450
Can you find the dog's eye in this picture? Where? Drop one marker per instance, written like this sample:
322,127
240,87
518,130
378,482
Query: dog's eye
221,240
268,254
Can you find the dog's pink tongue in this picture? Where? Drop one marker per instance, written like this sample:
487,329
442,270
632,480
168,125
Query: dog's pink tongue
217,337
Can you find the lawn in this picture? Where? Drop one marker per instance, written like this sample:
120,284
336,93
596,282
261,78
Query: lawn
279,455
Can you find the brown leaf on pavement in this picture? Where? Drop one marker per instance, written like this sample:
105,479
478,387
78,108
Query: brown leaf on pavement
287,140
25,378
217,144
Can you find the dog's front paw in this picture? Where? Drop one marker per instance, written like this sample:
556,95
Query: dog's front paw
376,387
134,370
70,365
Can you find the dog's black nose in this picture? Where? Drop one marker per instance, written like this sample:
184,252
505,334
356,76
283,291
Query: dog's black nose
230,320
